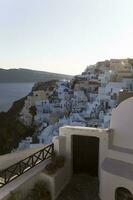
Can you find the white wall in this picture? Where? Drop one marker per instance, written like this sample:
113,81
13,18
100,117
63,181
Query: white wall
122,123
66,149
109,183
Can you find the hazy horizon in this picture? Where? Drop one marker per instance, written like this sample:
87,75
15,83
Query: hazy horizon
64,36
39,69
36,69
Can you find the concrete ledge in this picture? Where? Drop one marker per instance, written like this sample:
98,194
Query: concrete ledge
86,131
25,182
85,128
118,168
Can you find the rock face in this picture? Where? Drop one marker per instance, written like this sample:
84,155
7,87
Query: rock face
12,130
46,86
26,75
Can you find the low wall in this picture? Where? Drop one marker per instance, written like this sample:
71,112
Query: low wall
62,146
55,183
24,183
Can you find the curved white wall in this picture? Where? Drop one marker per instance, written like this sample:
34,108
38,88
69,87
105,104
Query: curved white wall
122,123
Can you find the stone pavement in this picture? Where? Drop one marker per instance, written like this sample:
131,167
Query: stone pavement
81,187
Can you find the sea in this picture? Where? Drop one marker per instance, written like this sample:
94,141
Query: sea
10,92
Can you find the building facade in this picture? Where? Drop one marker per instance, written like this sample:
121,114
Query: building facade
114,163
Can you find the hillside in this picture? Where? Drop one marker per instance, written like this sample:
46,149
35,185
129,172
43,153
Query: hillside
11,129
26,75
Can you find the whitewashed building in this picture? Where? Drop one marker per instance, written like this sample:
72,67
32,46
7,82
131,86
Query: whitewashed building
128,83
112,151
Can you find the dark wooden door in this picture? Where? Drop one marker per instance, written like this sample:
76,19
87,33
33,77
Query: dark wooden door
85,155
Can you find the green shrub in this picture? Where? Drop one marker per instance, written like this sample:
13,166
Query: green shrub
50,168
56,163
15,196
59,161
39,192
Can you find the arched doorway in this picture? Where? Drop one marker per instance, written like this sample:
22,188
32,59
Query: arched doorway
122,193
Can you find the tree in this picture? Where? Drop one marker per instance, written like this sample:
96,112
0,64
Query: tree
32,111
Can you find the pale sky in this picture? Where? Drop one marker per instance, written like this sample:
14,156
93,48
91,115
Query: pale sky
64,36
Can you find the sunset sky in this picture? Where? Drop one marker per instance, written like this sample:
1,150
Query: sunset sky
64,36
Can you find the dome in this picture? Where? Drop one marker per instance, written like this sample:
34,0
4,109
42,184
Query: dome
122,124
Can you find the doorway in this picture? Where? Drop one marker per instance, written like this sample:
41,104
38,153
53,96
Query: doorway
85,155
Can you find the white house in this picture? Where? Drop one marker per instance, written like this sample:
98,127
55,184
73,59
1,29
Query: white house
47,134
128,83
42,106
65,105
112,151
79,101
63,90
113,87
104,77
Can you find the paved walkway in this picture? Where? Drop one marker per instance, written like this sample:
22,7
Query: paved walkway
81,187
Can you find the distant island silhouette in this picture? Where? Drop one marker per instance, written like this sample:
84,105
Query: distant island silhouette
27,75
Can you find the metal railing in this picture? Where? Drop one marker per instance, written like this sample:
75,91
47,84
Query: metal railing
9,174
